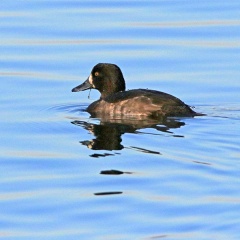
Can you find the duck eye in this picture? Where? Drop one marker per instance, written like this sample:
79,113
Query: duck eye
96,74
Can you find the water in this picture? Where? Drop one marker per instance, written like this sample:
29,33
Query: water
67,176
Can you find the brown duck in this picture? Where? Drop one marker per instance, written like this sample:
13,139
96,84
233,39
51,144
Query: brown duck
116,102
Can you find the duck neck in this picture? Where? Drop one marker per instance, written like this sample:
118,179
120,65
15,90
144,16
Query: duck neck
105,94
111,86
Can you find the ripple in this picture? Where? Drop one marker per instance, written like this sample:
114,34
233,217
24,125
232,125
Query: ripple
205,23
69,108
215,43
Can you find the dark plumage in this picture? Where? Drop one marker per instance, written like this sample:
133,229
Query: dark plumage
115,101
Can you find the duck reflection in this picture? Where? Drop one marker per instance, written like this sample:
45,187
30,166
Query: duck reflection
108,133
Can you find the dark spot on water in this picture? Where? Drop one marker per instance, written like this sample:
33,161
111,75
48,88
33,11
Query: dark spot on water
107,193
113,172
205,163
180,136
97,155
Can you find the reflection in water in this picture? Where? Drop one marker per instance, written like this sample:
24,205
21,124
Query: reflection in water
97,155
108,136
144,150
114,172
204,163
108,133
107,193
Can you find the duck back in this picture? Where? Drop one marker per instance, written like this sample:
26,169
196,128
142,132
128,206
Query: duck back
140,102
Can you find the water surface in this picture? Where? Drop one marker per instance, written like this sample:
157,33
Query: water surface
65,175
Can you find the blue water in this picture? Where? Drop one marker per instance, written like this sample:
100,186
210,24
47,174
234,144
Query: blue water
65,175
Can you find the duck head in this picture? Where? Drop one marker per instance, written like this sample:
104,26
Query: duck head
106,78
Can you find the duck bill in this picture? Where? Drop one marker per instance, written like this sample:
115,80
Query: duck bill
84,86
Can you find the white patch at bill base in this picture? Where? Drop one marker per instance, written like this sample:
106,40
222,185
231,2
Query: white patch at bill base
90,79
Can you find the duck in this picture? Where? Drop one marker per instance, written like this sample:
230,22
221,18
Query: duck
116,101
